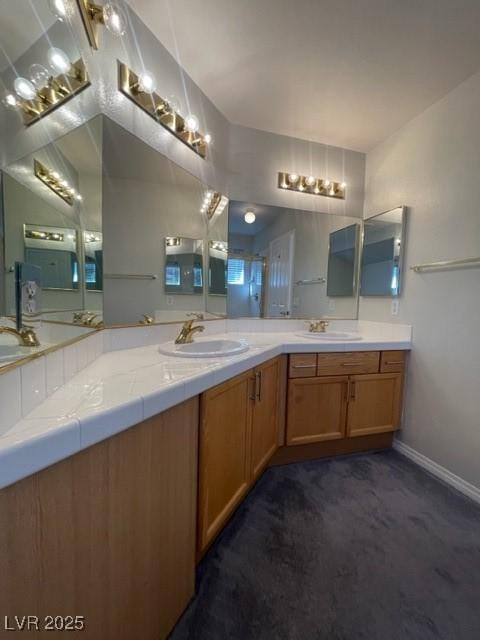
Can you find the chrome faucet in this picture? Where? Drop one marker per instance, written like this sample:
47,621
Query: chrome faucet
25,336
187,331
318,326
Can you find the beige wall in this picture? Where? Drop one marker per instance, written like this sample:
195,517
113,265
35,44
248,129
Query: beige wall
432,166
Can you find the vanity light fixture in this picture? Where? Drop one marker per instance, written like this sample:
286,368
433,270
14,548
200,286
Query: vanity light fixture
172,242
110,15
54,181
35,234
218,246
213,203
249,216
312,185
43,92
91,237
140,89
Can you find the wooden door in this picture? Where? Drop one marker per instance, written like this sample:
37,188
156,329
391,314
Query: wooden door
265,415
224,463
374,404
317,409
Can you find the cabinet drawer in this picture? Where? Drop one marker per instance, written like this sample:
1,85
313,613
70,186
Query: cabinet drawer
303,365
335,364
393,361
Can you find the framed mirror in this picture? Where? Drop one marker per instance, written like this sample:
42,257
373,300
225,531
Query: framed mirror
290,263
183,274
382,252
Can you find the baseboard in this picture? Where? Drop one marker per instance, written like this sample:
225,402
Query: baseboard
438,471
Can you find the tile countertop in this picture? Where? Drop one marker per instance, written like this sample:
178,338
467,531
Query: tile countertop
122,388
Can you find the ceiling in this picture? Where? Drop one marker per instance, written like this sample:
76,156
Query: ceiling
343,72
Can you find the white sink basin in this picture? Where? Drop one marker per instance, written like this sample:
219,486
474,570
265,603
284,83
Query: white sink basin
205,348
331,335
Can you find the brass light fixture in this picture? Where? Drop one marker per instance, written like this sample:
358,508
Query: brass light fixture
42,93
110,15
56,183
312,185
141,90
213,202
35,234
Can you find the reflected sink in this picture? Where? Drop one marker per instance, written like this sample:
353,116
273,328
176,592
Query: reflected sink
205,348
330,335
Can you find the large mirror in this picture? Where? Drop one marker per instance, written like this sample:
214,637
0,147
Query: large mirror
158,257
383,237
289,263
52,218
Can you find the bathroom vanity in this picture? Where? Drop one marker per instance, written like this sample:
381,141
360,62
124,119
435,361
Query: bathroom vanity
113,531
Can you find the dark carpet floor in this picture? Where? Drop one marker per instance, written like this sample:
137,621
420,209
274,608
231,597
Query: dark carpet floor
361,548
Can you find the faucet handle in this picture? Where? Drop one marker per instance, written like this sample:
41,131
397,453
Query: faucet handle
195,314
146,319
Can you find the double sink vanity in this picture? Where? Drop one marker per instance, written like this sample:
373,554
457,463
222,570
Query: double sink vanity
156,446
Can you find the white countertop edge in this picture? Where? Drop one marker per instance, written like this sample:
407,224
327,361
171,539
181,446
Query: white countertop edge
36,443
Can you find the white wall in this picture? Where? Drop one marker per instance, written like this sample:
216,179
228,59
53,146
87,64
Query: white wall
432,166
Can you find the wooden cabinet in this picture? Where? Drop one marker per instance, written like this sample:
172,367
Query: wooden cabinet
238,436
108,534
331,406
374,404
317,409
265,415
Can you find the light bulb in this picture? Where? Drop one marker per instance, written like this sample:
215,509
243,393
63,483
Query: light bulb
310,181
293,178
78,197
24,88
64,183
326,183
249,217
10,101
191,123
343,185
147,82
173,104
58,60
207,138
59,8
55,175
114,19
39,75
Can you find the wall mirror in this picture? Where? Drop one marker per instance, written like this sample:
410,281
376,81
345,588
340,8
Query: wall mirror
155,236
183,273
383,246
288,263
52,218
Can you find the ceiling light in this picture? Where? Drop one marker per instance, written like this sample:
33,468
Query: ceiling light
191,123
24,88
147,82
39,75
249,217
58,60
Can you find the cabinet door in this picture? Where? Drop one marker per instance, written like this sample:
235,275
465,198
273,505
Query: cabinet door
224,464
317,409
374,403
265,415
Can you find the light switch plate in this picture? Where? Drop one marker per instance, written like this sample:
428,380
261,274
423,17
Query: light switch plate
395,307
331,304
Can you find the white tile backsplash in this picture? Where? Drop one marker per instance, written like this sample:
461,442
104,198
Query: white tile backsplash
55,371
34,385
10,399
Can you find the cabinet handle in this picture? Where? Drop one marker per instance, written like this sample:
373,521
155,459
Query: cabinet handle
258,386
393,362
352,390
351,364
303,366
